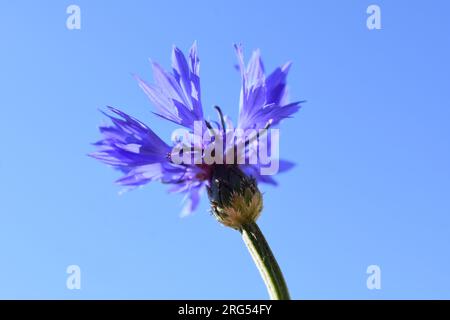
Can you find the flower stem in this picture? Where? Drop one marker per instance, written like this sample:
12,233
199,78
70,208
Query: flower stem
265,261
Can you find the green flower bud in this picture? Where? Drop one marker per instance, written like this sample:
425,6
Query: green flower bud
235,198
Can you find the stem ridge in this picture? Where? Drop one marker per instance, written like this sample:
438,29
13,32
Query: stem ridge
265,261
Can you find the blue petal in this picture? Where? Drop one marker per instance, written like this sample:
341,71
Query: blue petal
177,96
276,84
192,199
128,143
262,99
255,171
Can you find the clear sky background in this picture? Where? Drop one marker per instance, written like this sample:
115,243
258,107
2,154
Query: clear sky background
372,147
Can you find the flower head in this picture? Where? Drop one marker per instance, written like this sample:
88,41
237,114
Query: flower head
235,197
133,148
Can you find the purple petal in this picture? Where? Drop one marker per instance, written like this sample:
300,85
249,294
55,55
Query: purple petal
262,99
128,143
177,96
161,101
254,171
286,165
274,114
255,70
142,174
194,65
276,84
182,73
192,199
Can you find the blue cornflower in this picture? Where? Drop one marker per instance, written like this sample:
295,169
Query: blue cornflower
133,148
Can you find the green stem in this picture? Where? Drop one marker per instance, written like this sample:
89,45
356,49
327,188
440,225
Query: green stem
265,261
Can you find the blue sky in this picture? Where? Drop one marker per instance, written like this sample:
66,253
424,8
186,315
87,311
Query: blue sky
372,147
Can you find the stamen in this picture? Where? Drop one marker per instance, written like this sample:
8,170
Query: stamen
264,130
210,128
208,125
222,119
